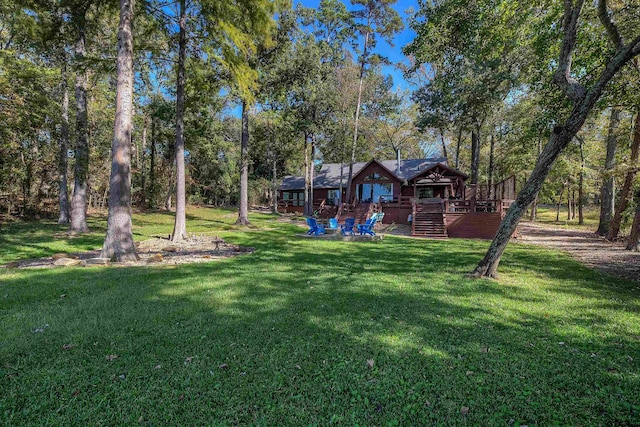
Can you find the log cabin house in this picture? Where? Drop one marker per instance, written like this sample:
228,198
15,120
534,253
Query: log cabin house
426,193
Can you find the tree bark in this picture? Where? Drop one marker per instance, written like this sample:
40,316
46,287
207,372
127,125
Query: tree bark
243,211
458,147
63,194
357,116
78,223
628,182
312,169
274,184
581,185
151,200
559,202
534,204
634,237
475,154
308,210
607,192
491,167
142,166
569,210
444,147
170,190
180,224
118,243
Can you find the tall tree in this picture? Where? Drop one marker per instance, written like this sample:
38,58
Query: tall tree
243,210
118,243
180,224
63,192
583,98
607,192
231,31
634,237
81,169
375,17
632,169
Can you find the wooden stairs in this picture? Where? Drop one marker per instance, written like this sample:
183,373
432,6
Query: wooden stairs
360,213
428,221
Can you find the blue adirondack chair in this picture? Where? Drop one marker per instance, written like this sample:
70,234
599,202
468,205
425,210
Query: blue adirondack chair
367,227
314,227
333,224
347,228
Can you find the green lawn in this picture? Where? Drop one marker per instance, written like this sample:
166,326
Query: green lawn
282,336
547,215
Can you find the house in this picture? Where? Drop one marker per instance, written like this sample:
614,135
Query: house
426,193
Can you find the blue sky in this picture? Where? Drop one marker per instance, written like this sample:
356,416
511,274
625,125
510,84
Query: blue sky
394,54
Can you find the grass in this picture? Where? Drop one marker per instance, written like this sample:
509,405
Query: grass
282,336
547,215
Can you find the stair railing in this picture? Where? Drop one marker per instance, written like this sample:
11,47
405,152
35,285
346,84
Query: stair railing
413,217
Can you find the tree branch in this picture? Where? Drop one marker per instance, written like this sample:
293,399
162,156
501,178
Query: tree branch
562,77
609,25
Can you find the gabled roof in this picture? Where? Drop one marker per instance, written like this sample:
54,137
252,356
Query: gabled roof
329,174
443,166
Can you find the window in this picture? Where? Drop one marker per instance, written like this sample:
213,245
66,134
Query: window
333,197
293,198
376,177
375,192
425,192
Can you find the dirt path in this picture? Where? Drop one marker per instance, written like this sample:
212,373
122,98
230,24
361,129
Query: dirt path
585,246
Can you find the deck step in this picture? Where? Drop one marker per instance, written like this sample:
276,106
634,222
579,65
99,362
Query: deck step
429,224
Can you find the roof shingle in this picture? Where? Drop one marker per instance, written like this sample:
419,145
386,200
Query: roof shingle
329,174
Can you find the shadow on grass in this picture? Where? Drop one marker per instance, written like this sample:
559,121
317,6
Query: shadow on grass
292,326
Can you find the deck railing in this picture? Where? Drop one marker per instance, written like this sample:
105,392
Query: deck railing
477,205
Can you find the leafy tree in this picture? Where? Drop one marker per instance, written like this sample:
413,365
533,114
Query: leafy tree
232,30
375,17
583,96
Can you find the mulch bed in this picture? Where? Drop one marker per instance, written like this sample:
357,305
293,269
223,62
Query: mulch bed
155,251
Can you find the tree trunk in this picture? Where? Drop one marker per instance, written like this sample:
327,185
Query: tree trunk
170,190
475,154
307,210
534,209
581,185
634,237
458,147
534,204
491,167
274,208
607,197
559,202
312,170
628,182
118,243
63,194
141,166
152,167
573,203
569,211
357,116
180,224
243,211
81,170
26,183
444,146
